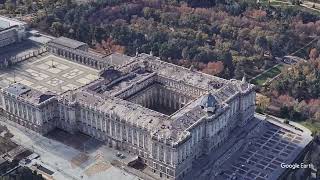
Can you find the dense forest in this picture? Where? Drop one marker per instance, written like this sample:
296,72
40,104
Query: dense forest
298,91
220,37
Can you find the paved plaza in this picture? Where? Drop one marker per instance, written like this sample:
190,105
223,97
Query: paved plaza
259,157
67,162
49,73
264,154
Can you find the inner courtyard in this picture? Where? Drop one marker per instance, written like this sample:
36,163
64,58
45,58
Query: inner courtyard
159,98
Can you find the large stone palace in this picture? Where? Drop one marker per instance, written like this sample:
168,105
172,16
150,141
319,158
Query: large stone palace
165,114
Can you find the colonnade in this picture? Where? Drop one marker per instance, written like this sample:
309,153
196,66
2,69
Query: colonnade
181,87
78,56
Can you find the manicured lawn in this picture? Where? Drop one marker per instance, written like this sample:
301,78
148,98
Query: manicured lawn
271,73
313,127
276,3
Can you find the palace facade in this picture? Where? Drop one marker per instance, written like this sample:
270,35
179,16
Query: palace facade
166,114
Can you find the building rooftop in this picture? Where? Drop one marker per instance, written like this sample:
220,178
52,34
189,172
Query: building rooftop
109,95
115,82
179,73
17,89
6,22
117,59
70,43
28,94
115,107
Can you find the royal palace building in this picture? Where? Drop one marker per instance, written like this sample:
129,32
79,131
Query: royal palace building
165,114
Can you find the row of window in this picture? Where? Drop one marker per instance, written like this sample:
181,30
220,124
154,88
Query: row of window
24,111
163,169
162,153
180,86
81,56
113,128
138,87
249,100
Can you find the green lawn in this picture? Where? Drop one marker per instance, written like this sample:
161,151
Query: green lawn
313,127
276,3
271,73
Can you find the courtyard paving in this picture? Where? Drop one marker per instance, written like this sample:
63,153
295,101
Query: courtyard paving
49,73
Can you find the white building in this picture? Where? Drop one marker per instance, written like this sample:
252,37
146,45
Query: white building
165,114
11,31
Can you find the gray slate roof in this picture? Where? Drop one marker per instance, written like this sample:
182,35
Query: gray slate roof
17,89
68,42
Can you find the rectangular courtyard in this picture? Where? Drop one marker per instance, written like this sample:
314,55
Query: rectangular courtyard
49,73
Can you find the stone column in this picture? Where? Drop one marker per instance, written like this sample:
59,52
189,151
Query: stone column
160,100
143,103
164,155
109,126
27,113
120,132
116,130
127,133
175,101
132,139
148,98
107,129
104,125
143,141
158,152
138,138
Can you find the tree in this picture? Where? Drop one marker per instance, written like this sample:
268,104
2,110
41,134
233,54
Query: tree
28,4
314,54
317,116
56,28
239,70
228,63
214,68
263,103
9,5
168,50
261,44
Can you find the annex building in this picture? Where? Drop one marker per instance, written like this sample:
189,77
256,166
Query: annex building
11,31
167,115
